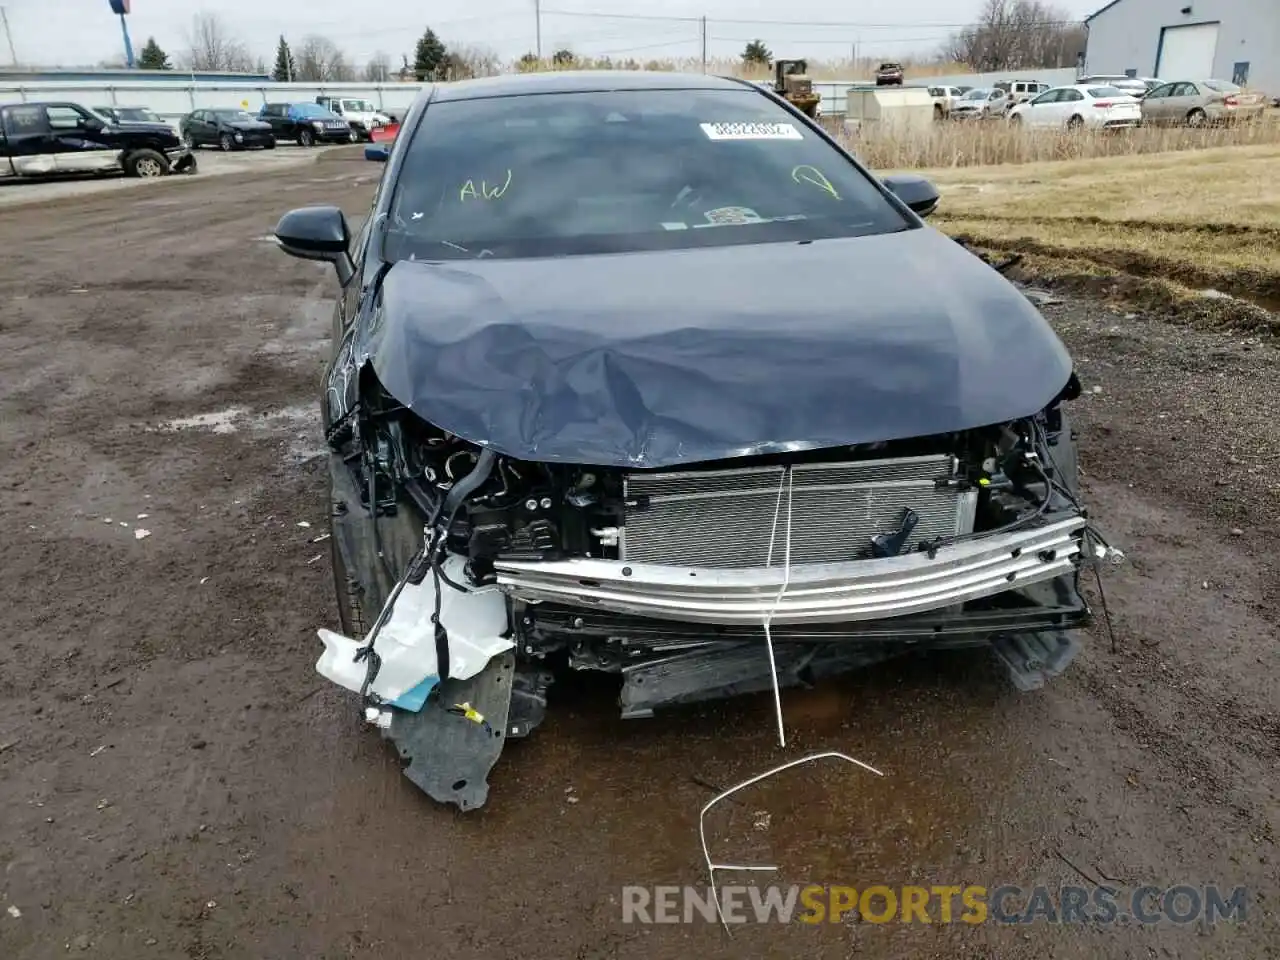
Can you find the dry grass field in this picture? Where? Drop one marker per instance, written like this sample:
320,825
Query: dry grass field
995,142
1147,219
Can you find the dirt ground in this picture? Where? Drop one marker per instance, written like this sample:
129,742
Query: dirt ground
176,780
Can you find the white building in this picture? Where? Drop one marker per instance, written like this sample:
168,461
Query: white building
1235,40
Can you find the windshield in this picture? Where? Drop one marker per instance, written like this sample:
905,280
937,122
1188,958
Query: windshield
1222,86
622,171
358,106
1100,93
314,111
233,115
977,95
137,114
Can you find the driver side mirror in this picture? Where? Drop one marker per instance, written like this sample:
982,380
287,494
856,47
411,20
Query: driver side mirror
916,192
90,123
318,233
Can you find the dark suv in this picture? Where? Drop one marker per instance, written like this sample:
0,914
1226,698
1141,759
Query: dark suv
307,123
37,139
889,75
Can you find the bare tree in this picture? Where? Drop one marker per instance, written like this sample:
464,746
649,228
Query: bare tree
1018,35
320,59
379,68
214,47
463,62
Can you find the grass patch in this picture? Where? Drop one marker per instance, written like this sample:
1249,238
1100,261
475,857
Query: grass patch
973,143
1158,231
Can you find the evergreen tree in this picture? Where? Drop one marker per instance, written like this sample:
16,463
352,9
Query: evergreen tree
757,53
285,69
152,57
430,57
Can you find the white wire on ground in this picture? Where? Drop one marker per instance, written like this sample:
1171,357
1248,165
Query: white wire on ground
786,581
702,818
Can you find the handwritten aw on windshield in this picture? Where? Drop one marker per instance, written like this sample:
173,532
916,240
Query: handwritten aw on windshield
485,192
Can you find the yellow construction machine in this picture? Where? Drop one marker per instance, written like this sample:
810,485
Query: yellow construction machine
791,82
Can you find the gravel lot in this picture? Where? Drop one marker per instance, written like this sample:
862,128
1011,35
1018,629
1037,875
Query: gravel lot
177,781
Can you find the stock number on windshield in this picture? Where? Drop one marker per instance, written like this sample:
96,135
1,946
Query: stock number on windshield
751,131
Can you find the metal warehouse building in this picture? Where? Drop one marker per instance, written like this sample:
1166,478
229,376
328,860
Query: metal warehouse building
1235,40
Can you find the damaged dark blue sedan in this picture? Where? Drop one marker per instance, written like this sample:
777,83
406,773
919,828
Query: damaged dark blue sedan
645,374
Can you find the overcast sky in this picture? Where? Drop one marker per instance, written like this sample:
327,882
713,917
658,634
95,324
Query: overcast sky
66,32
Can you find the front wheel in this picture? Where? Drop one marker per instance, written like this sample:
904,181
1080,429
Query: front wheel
226,143
306,138
146,163
1075,123
269,145
1197,118
189,141
1015,120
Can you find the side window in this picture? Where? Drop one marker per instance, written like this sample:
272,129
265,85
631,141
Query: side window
1070,95
1184,90
25,121
65,118
1160,91
1050,97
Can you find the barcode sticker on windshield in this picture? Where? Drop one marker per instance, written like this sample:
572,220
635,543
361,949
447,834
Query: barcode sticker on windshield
751,131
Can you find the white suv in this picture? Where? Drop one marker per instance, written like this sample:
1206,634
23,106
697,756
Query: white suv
363,116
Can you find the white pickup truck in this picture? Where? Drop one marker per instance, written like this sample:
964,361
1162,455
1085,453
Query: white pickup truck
361,114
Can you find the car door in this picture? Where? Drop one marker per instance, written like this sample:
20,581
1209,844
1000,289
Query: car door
277,114
1070,102
28,143
1155,105
1040,111
77,140
1182,101
193,127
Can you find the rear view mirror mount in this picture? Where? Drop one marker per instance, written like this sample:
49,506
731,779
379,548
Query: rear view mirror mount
318,233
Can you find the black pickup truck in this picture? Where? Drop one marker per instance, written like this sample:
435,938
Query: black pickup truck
39,139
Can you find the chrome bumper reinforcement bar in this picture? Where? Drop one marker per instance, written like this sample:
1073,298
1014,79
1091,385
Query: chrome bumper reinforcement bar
807,593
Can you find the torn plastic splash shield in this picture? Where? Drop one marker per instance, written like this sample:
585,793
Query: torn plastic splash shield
814,593
683,356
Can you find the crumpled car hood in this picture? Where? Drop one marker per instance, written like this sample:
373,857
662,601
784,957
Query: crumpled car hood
677,357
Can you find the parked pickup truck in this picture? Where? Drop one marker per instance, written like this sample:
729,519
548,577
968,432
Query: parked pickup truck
363,116
37,139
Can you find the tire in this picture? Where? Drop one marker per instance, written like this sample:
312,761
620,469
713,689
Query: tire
347,593
146,163
189,140
226,143
937,113
306,138
1197,118
269,145
1015,120
1075,123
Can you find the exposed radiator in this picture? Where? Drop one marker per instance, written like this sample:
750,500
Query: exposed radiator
724,518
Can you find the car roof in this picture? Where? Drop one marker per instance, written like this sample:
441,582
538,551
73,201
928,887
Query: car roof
1082,87
577,81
